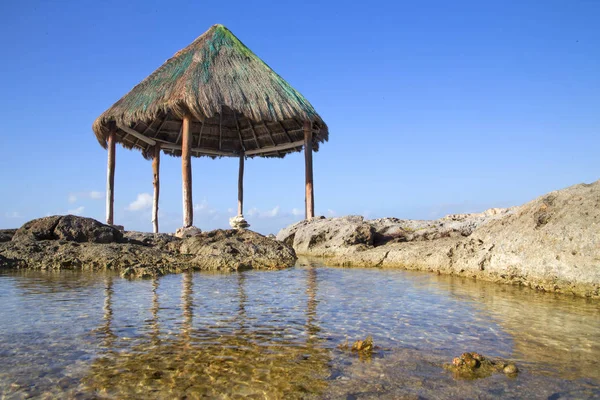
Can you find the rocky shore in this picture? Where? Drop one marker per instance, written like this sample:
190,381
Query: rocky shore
551,243
71,242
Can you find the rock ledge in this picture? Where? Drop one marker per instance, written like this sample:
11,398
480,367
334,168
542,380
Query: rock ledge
71,242
551,243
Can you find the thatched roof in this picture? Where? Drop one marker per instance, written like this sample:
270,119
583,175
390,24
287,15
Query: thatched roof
236,101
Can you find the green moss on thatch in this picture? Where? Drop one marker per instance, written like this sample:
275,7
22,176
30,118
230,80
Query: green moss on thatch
216,70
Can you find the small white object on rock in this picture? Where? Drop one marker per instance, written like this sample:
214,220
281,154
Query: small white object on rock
238,222
187,232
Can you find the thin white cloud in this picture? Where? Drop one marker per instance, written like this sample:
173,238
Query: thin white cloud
13,215
296,212
143,201
76,211
331,213
201,206
94,195
271,213
204,208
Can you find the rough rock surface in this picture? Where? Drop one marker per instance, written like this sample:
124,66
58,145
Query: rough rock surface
6,235
68,227
551,243
237,249
69,242
187,232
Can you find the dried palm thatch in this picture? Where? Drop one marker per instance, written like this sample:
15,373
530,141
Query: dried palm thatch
237,104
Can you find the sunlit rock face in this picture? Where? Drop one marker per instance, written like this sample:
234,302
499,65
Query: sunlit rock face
187,232
550,243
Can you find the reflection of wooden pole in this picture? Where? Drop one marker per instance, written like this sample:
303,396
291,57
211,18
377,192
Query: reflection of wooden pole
311,306
106,329
110,178
156,183
243,298
308,164
241,187
155,307
187,304
186,172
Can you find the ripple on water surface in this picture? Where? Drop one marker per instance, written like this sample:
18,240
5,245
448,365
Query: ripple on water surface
276,334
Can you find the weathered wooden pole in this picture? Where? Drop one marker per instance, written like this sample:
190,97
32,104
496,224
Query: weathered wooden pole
308,164
110,179
241,187
156,184
186,172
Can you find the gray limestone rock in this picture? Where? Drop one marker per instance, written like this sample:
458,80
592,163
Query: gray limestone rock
187,232
551,243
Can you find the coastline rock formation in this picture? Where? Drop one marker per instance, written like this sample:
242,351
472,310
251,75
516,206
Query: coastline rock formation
551,243
71,242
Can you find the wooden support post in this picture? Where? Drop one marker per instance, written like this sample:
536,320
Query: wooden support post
110,179
156,183
241,187
186,172
308,164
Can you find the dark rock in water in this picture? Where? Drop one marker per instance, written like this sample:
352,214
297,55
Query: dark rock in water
363,345
71,242
474,366
6,235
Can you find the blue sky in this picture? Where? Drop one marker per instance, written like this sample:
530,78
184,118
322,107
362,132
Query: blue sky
433,107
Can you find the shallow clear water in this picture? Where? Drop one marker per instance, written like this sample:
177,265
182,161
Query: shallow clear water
276,335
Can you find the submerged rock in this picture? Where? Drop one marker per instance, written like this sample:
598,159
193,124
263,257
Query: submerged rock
363,348
363,345
550,243
71,242
474,366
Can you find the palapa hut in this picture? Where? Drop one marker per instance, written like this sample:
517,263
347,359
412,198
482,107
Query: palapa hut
214,98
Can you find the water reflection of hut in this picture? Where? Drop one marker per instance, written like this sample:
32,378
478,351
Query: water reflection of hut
106,330
311,306
214,98
154,321
231,359
187,306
